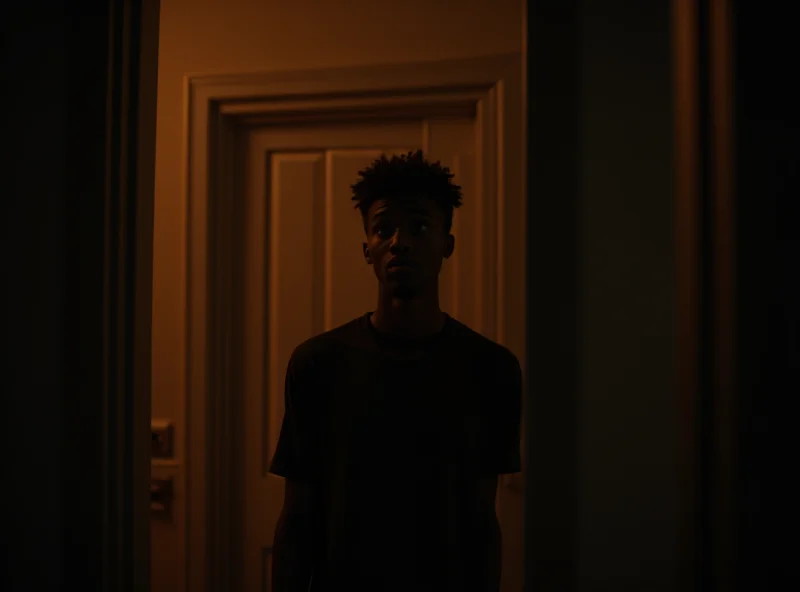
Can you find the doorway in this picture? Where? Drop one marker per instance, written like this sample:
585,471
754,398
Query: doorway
227,75
274,259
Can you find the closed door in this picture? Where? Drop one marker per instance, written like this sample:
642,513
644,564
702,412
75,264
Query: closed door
304,271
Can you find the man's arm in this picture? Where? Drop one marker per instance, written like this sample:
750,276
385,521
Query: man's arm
297,460
503,458
296,543
489,526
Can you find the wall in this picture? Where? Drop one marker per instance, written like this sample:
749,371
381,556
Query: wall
34,311
628,490
72,473
767,180
211,36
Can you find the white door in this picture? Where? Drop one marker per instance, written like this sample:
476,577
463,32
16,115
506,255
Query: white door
305,272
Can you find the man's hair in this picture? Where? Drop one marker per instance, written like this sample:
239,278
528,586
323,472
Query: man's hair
407,175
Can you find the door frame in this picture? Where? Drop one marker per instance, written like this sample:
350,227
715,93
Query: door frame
109,178
217,108
705,278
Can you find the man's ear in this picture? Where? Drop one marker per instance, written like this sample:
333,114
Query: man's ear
450,245
367,257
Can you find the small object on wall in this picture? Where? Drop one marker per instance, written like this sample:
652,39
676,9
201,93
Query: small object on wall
161,495
163,437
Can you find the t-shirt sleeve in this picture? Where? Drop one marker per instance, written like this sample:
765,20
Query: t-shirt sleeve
297,453
504,454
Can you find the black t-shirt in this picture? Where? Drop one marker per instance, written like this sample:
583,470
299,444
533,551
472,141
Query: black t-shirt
396,434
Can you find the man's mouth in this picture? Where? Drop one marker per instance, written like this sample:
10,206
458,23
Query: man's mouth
400,264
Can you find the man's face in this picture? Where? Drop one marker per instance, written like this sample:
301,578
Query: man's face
406,243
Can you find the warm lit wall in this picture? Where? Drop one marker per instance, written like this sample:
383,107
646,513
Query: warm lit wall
234,36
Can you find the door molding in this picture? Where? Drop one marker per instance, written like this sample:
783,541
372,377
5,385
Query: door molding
216,110
705,224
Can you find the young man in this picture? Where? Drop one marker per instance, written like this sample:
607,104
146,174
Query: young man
397,423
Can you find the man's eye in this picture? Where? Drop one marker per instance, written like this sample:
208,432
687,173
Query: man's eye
419,227
383,231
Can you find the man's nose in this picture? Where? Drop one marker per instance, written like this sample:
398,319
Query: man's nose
400,242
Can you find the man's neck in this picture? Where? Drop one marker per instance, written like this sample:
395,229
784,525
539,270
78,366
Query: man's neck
408,318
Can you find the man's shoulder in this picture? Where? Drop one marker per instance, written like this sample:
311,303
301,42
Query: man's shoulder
487,352
325,345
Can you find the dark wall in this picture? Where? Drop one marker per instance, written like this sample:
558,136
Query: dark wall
768,291
601,491
627,537
35,285
62,525
603,497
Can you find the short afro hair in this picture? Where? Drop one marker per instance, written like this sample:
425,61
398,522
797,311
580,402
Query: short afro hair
407,175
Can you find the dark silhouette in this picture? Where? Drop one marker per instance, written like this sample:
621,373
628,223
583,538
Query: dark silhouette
398,423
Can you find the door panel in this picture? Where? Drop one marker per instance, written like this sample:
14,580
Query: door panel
453,142
304,272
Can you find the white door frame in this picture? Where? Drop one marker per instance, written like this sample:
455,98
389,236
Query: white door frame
215,108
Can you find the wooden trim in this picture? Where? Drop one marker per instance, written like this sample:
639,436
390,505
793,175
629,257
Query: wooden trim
358,104
218,106
723,308
145,30
112,99
687,187
377,80
130,178
705,291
